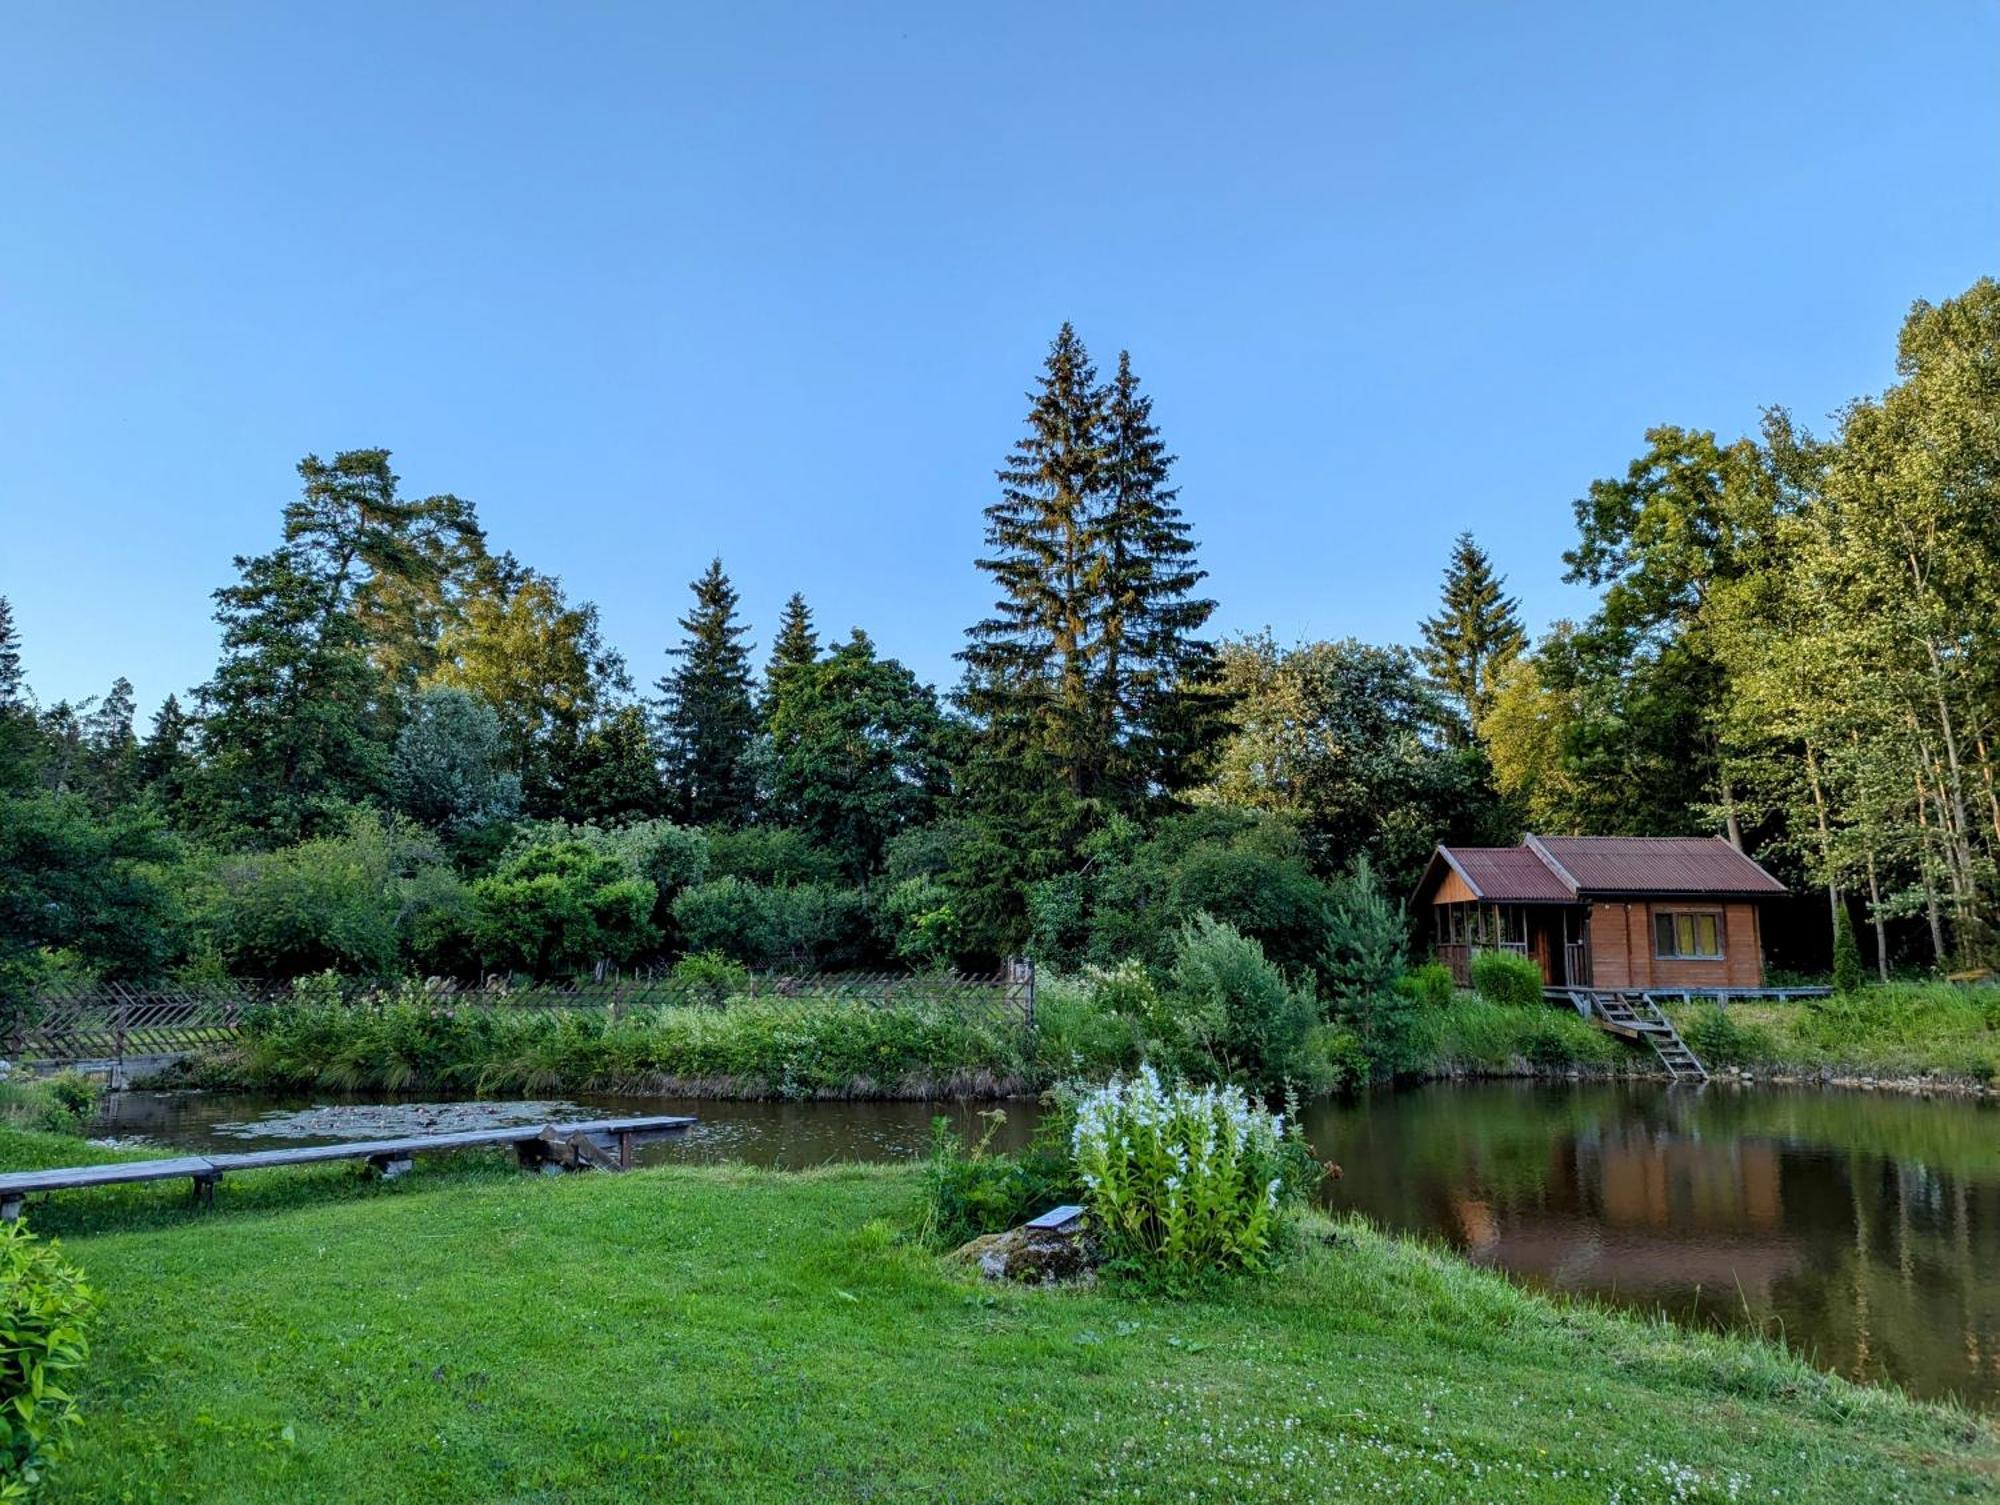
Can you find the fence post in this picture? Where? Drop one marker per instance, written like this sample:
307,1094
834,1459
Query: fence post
1021,975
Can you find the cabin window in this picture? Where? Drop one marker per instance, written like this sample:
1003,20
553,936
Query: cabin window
1687,936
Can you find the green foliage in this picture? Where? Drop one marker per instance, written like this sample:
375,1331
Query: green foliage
1228,1014
73,882
1361,961
970,1189
361,900
1475,635
1094,1026
1184,1184
855,741
1431,984
1090,673
1720,1038
65,1103
706,718
555,908
1503,977
773,856
46,1311
728,917
1847,974
449,770
1355,743
916,919
1476,1036
794,1047
710,976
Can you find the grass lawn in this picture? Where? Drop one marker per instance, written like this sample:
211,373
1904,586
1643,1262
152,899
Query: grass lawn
471,1334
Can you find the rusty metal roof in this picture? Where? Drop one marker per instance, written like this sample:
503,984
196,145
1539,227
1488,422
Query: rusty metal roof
1508,875
1565,869
1654,865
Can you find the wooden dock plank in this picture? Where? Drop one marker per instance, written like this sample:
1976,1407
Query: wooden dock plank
392,1154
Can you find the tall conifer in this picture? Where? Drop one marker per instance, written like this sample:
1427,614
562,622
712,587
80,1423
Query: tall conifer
1158,715
707,719
1028,666
795,646
1476,633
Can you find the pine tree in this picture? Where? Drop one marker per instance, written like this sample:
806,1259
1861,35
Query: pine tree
616,777
1158,716
166,754
1476,633
111,747
1028,666
20,739
13,684
706,717
795,647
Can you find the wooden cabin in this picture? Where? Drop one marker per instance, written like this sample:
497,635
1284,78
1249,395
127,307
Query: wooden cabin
1603,911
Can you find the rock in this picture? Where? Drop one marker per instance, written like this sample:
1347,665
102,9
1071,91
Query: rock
1035,1256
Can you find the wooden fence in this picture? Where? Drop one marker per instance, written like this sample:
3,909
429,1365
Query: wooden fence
106,1026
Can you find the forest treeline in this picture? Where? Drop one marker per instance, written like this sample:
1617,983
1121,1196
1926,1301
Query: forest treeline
418,754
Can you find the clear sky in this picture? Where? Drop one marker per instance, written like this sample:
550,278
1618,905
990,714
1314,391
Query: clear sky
651,282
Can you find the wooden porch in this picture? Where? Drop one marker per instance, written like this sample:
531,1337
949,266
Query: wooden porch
1555,937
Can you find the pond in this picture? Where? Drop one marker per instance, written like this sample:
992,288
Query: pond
1862,1229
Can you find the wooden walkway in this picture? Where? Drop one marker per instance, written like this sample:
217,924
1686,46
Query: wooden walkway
605,1143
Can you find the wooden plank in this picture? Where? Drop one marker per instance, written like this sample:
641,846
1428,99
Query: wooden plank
18,1182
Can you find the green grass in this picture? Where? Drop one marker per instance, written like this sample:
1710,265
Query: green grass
470,1334
1902,1029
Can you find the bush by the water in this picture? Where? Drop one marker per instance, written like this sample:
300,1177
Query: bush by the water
1847,973
1876,1029
778,1047
65,1103
970,1189
1476,1036
1503,977
45,1314
1431,984
1184,1183
1229,1014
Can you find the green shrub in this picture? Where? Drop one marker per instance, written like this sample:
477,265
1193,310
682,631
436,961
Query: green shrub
970,1190
1228,1014
1080,1029
1478,1036
1430,985
1720,1039
553,909
1503,977
730,917
710,977
65,1103
1361,963
1186,1183
45,1315
1847,974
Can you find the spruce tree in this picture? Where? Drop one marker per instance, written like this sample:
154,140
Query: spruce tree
795,646
1476,634
1158,716
706,717
13,684
166,754
111,747
1028,666
20,739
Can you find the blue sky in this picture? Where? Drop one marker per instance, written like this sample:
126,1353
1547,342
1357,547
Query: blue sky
648,283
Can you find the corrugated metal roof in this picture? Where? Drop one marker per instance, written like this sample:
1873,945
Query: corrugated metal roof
1508,875
1655,865
1564,869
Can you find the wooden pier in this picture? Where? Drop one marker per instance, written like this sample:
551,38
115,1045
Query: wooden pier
604,1143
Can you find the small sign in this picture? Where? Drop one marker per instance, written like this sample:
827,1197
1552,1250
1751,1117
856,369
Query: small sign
1057,1219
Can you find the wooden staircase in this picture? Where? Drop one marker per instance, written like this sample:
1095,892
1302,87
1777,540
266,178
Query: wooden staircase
1634,1016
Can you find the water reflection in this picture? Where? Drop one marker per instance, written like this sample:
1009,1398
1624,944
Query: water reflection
1863,1230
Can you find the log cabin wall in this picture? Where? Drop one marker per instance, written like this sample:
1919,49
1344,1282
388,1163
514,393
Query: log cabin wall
1623,953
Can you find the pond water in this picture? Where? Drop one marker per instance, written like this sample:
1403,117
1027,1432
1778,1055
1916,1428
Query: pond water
1862,1229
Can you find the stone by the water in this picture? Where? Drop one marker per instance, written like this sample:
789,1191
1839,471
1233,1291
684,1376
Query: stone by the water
1033,1256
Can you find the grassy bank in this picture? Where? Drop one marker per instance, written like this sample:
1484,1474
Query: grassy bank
1901,1030
761,1047
469,1334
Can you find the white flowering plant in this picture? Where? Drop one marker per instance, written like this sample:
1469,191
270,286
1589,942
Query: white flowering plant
1184,1183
